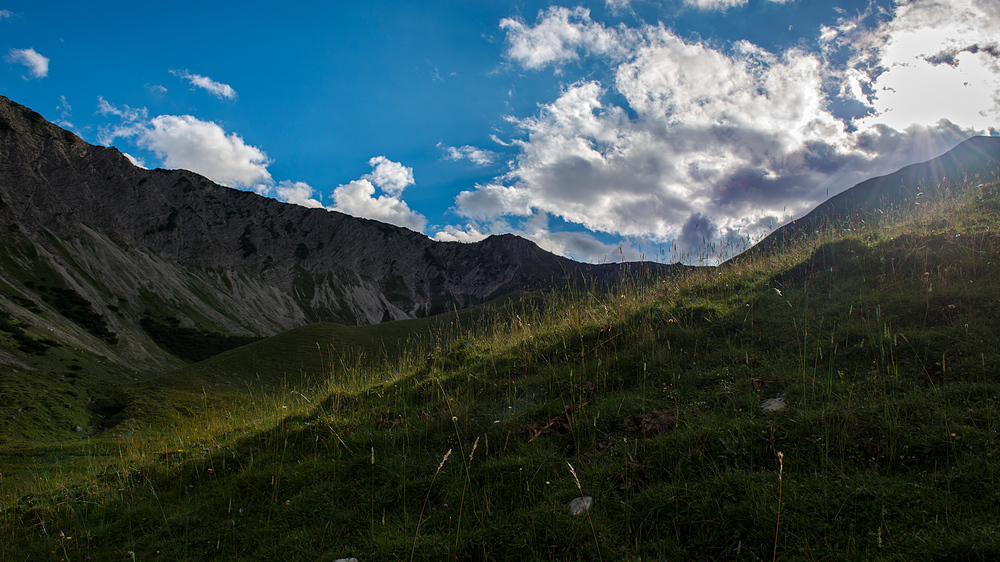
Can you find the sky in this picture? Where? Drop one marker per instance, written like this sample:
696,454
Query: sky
604,130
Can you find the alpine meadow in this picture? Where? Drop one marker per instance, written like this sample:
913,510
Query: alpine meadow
830,393
504,281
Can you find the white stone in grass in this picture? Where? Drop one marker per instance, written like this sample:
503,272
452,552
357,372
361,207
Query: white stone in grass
580,505
346,560
774,404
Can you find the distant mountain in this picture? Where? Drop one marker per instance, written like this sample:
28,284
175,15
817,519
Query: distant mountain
149,266
975,161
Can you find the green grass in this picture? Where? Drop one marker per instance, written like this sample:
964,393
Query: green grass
327,441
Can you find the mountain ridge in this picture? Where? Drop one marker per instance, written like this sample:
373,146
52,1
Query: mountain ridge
976,159
174,248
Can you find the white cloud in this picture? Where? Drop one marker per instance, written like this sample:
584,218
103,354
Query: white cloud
65,112
492,200
714,4
478,156
709,145
36,63
218,89
391,177
558,38
723,5
702,118
618,6
468,235
128,114
937,60
499,141
183,141
137,162
4,14
358,199
299,193
131,123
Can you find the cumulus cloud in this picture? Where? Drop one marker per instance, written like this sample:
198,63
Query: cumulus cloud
716,145
710,129
297,192
559,38
478,156
36,63
218,89
184,141
391,177
491,200
358,199
466,235
937,60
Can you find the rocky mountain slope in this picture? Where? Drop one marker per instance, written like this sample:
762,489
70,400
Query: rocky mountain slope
146,266
971,163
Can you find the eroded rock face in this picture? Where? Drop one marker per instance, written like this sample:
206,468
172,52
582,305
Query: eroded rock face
136,242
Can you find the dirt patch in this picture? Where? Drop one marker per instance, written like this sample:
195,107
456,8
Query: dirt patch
560,423
660,420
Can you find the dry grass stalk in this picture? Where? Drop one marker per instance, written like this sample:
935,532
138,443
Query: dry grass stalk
416,533
592,529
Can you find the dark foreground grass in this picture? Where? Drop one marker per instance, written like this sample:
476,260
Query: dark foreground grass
881,340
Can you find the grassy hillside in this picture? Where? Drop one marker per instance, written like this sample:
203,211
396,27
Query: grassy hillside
836,399
300,360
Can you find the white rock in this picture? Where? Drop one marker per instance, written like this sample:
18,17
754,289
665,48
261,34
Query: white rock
580,505
774,404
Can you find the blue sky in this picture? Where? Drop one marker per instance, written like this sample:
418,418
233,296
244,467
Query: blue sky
602,130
